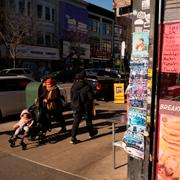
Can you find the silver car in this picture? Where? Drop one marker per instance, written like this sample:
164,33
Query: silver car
17,71
12,94
19,92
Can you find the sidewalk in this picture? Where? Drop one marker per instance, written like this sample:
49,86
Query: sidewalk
91,159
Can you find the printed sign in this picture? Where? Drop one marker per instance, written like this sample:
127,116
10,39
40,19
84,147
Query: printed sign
169,148
171,48
169,107
140,44
134,136
168,165
119,93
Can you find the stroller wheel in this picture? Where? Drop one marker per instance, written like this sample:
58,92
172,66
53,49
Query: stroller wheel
12,142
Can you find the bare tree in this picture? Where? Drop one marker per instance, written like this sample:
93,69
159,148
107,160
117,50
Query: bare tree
14,29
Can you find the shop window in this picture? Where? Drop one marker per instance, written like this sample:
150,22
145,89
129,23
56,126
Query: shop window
106,45
21,6
39,11
47,13
170,86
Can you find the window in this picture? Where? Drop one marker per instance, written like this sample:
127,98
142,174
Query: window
15,71
28,8
107,29
106,45
53,39
52,14
21,6
14,84
93,25
48,38
47,13
40,39
39,11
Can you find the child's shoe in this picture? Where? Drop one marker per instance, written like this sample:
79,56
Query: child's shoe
23,145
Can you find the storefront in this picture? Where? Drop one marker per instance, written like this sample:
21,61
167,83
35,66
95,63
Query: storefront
167,151
152,138
41,60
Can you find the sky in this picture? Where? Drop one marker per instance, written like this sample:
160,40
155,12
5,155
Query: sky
107,4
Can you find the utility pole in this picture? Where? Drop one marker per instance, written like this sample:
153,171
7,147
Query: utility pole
143,22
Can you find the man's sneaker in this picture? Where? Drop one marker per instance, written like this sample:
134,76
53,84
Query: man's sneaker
74,141
95,132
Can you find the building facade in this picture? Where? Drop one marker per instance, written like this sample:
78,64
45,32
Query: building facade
64,34
39,49
100,36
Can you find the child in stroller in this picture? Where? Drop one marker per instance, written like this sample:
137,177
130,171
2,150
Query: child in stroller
22,128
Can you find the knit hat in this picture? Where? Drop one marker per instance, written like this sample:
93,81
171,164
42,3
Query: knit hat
25,111
49,82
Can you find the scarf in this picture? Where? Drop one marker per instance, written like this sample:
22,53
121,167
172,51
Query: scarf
51,95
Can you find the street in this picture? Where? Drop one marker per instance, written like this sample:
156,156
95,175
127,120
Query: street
90,159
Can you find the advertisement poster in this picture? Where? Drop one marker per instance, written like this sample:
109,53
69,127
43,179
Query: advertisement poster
134,136
171,48
140,44
168,166
119,93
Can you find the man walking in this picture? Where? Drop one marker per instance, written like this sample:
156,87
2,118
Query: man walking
82,98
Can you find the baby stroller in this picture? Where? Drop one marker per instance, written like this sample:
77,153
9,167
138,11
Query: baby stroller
21,128
30,129
41,123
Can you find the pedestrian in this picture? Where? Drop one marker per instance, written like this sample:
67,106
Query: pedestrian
51,106
82,98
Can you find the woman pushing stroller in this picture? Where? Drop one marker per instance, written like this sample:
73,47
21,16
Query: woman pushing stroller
50,105
22,128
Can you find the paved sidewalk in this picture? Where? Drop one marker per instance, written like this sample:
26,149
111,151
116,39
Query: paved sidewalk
91,159
16,168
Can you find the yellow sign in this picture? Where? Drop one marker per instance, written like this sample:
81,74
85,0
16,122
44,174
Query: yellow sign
119,93
149,72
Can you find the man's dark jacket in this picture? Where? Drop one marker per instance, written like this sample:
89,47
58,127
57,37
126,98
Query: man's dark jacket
86,94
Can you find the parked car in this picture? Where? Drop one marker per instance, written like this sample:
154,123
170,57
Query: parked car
17,71
60,76
12,94
102,81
